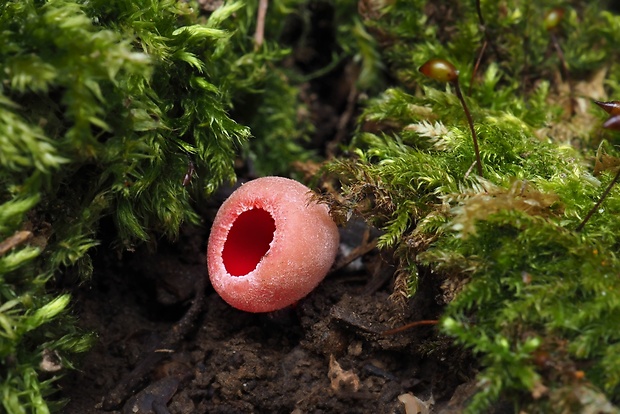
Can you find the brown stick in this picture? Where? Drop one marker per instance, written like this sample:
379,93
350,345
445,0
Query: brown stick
135,379
408,326
599,202
259,35
477,65
558,51
14,241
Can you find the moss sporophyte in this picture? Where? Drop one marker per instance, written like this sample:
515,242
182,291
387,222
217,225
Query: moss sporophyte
444,71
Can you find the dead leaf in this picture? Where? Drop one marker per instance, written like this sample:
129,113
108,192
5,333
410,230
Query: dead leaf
604,162
414,405
342,380
14,241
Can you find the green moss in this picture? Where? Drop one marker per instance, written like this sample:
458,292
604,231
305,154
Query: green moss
104,105
521,281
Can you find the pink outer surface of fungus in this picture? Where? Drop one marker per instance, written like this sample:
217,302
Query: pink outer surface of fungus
270,245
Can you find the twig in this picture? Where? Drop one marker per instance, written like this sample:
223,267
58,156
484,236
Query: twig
190,173
357,252
484,44
488,41
470,169
558,50
14,241
477,65
343,121
599,202
408,326
135,379
552,21
259,35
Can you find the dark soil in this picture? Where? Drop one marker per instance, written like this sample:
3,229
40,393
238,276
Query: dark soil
325,355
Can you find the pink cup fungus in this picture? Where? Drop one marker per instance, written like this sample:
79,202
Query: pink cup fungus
270,245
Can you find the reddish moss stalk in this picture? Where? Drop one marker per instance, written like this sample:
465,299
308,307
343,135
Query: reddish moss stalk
408,326
599,202
470,121
444,71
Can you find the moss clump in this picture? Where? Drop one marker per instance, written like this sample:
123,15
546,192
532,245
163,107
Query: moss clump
105,105
537,301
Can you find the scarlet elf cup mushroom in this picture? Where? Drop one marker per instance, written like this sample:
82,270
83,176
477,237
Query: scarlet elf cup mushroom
270,245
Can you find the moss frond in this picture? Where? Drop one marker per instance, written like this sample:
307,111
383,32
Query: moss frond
103,105
520,282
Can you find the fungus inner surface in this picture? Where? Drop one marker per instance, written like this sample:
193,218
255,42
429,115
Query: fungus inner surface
248,241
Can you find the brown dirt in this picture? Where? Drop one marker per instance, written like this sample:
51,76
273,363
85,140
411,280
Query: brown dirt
322,356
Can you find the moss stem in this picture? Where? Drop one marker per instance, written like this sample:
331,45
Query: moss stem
599,202
408,326
484,45
470,121
477,65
